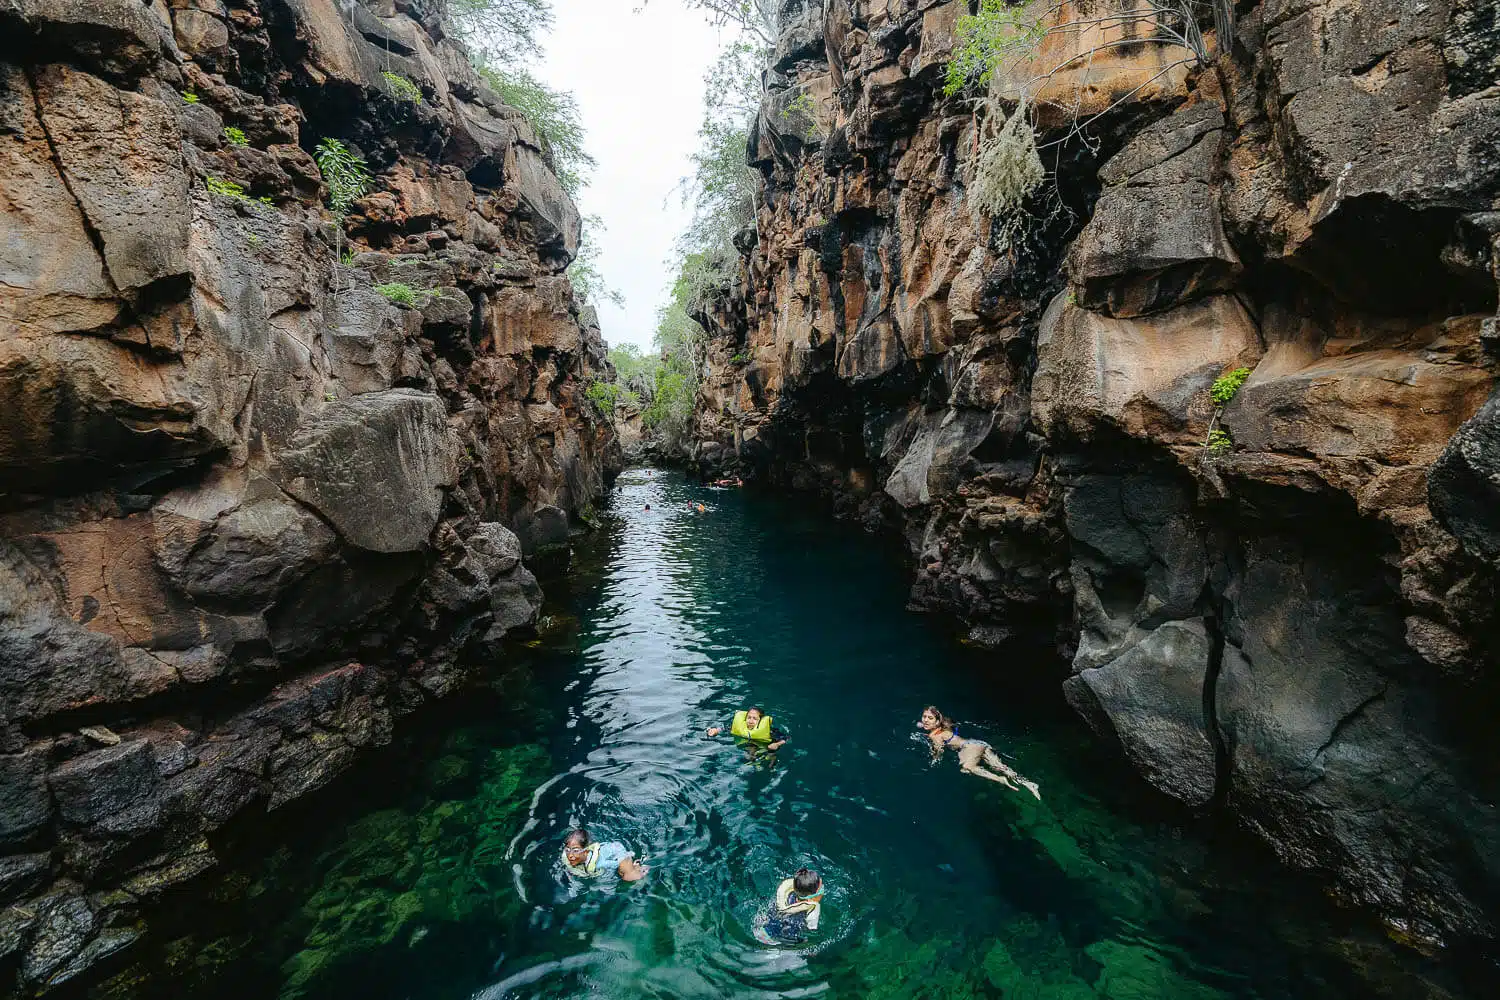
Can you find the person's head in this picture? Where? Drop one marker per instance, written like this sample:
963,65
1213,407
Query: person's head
576,846
806,882
933,719
648,506
753,716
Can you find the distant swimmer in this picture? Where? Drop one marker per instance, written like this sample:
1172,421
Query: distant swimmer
584,857
702,509
647,507
755,725
974,756
798,905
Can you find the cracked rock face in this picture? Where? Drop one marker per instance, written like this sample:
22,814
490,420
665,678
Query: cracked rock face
1298,628
251,512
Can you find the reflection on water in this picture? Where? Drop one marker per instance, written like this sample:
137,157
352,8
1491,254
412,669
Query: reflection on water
433,871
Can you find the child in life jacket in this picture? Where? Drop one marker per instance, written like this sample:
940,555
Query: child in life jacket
755,725
584,857
798,904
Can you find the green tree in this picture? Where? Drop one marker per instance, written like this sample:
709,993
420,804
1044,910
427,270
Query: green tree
503,31
553,114
588,282
722,189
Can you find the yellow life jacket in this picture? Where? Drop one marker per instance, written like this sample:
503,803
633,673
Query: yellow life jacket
761,732
590,864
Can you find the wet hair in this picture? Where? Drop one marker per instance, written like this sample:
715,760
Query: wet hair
577,838
806,881
757,710
942,720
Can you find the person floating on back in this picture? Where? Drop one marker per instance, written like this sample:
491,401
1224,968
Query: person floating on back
974,756
798,905
584,857
755,725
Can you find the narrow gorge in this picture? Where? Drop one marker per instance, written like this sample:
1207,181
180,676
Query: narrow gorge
1281,609
1144,350
268,474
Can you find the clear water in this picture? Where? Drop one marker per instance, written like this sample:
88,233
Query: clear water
432,872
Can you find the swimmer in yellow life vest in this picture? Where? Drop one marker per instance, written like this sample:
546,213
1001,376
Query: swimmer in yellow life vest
798,905
584,857
753,724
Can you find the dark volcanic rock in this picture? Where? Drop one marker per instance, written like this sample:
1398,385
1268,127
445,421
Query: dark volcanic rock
1298,625
243,497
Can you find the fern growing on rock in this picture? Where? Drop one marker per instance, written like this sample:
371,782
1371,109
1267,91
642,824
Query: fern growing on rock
344,172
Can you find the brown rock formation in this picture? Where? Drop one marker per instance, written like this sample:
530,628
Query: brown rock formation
1286,631
251,512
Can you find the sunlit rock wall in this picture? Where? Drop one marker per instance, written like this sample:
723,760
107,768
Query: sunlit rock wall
1300,631
251,511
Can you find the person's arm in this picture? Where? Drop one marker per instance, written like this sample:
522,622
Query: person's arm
812,916
630,869
715,730
778,737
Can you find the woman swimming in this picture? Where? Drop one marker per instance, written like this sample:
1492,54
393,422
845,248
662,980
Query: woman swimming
974,756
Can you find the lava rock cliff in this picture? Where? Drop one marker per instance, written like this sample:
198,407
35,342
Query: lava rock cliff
253,511
1296,626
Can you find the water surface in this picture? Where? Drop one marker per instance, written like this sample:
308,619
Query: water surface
432,871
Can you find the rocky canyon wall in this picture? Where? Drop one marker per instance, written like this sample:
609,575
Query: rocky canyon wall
252,511
1298,627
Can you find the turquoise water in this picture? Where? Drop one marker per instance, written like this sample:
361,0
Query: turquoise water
431,871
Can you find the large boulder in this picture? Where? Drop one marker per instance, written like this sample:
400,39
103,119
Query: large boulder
375,466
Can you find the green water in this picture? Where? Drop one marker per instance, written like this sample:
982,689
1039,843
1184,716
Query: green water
431,871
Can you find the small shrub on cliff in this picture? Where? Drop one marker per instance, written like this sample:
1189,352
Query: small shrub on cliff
1226,386
803,112
403,294
1219,443
234,136
229,189
403,88
984,40
188,97
344,172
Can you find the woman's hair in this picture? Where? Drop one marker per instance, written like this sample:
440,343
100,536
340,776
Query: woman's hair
806,881
577,838
943,721
757,710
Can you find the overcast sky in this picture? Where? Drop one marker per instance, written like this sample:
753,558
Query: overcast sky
639,83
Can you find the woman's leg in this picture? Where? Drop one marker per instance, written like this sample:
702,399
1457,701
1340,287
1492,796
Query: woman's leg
994,760
972,759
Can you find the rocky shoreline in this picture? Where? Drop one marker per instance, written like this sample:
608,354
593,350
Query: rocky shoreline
256,503
1295,626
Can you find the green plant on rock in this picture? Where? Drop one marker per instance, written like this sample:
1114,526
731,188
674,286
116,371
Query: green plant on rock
402,294
188,97
234,136
803,111
217,185
345,173
604,395
402,87
1227,385
1218,443
739,359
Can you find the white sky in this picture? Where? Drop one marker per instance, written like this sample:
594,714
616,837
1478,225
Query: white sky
638,78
